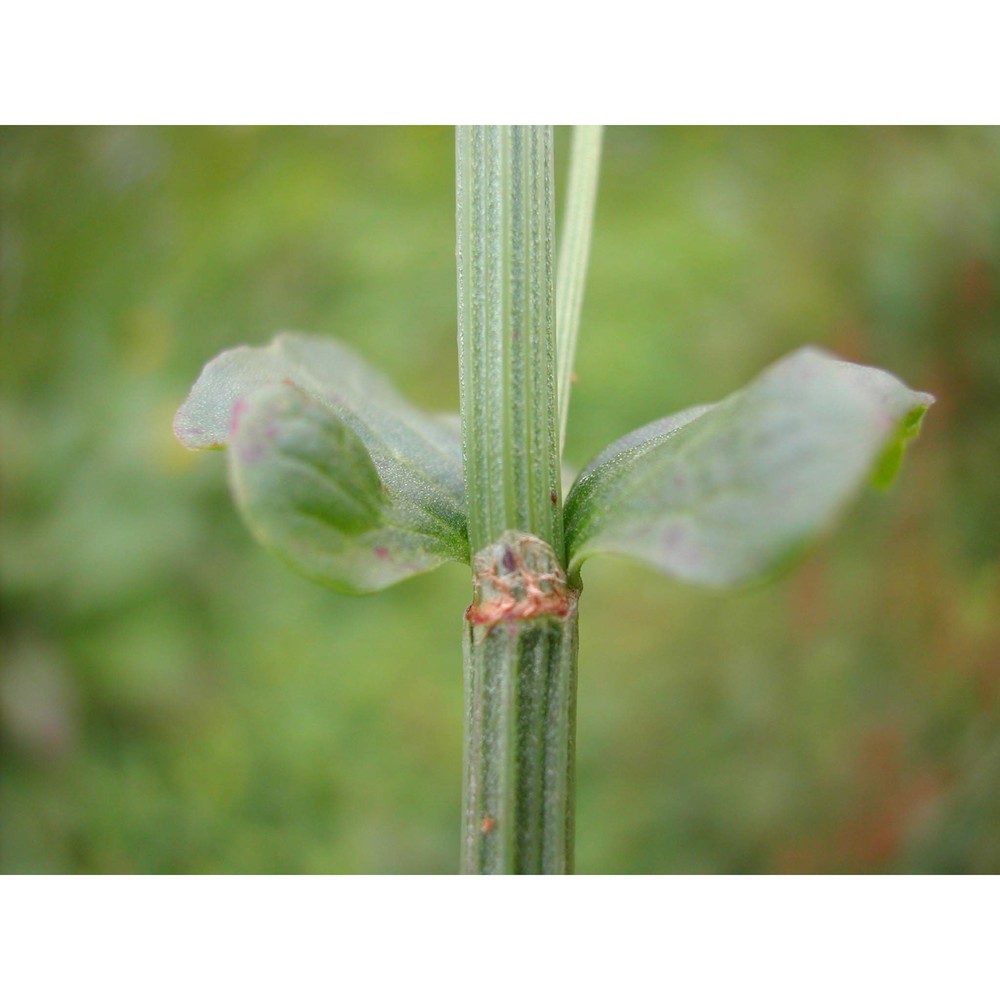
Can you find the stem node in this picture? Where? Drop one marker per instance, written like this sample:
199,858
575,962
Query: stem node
518,576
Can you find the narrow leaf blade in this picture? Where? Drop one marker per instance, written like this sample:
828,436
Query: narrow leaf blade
725,494
309,492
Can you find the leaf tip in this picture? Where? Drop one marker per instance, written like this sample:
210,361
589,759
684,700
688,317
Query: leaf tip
191,434
888,463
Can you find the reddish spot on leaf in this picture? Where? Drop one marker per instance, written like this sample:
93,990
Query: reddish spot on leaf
238,407
381,552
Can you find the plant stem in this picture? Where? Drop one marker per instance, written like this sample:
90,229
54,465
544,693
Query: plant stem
506,333
520,634
520,714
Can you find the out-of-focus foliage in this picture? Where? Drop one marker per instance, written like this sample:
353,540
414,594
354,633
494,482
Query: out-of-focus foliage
175,700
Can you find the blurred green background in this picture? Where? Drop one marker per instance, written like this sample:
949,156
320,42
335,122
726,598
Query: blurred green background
174,700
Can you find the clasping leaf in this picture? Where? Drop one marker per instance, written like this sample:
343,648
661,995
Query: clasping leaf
329,466
727,493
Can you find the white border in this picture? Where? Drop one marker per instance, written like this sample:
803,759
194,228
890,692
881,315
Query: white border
690,937
717,61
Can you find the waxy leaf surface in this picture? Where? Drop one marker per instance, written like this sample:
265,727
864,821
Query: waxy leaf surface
309,492
727,493
412,522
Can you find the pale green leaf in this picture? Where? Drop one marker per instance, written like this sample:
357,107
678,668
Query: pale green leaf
574,253
417,456
309,492
728,493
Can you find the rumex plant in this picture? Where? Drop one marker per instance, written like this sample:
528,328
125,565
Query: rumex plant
339,475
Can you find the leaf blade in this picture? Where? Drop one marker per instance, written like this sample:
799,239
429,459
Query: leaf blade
417,456
724,494
309,492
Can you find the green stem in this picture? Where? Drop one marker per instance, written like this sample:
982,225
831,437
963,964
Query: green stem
520,713
506,332
520,634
